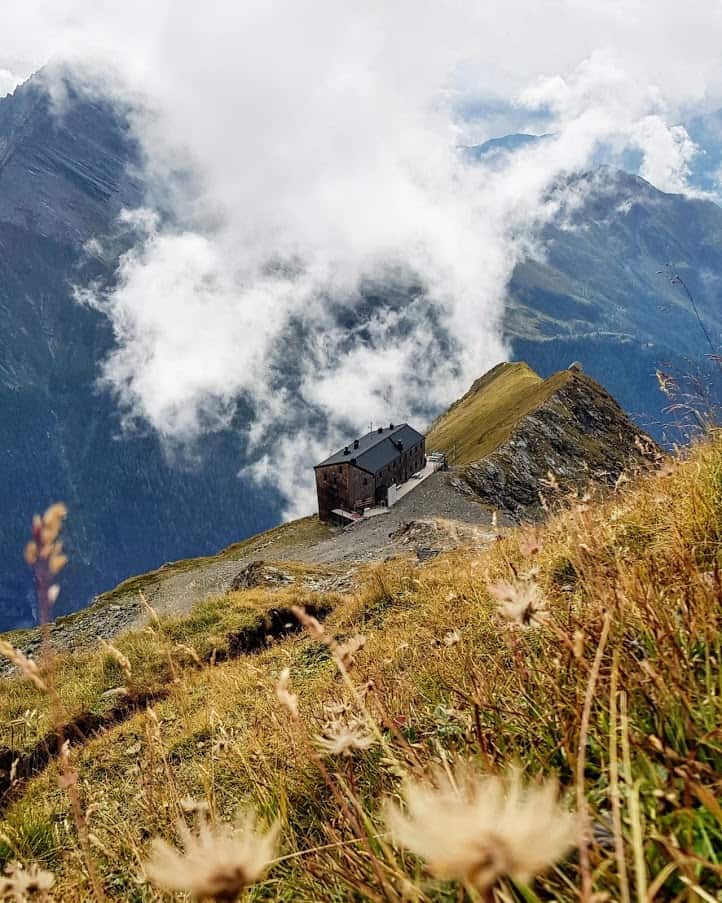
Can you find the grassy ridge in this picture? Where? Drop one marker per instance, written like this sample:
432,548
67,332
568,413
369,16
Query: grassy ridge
485,417
619,686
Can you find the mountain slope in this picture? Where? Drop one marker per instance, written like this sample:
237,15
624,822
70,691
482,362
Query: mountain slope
64,177
503,438
512,429
598,294
485,416
552,652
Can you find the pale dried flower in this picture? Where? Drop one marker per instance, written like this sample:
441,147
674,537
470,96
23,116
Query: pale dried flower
287,699
218,862
520,603
25,665
23,883
345,653
343,738
477,829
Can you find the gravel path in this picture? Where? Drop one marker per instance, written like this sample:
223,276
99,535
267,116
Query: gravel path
365,541
433,517
370,540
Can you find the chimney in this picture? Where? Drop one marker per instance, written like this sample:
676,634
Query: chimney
355,443
345,451
391,426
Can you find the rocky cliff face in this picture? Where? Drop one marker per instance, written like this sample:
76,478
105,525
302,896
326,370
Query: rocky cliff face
578,433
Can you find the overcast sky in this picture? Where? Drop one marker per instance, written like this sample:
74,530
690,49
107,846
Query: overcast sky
323,135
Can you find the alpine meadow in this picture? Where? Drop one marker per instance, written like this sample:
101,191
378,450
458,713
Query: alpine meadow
361,465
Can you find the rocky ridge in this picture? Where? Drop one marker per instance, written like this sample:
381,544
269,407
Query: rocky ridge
577,436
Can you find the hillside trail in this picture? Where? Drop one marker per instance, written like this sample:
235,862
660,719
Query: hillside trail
434,517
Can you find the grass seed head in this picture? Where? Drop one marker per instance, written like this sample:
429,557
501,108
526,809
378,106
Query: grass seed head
310,624
119,657
287,699
25,665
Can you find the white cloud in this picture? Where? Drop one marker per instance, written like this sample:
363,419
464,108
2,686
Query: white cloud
307,152
8,81
602,102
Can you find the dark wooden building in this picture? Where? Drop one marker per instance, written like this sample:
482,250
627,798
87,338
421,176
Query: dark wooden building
359,476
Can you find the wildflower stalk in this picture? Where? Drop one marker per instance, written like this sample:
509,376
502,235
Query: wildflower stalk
356,816
614,784
640,869
45,556
316,630
584,867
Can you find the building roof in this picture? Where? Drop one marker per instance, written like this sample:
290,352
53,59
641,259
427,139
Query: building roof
376,449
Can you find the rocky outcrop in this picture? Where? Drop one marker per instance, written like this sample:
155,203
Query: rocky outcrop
269,576
579,435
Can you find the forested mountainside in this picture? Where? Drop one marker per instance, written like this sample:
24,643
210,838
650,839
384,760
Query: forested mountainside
64,177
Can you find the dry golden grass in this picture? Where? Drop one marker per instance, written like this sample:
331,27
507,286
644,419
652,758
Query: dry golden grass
615,690
486,415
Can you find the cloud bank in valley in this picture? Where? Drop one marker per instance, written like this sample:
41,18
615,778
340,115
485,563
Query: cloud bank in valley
326,254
